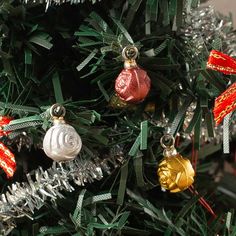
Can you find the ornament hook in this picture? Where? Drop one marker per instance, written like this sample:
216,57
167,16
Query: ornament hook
167,141
130,52
57,111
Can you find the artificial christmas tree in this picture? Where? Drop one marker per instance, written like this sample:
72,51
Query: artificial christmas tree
69,53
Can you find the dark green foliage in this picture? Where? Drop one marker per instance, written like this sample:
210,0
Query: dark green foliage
72,54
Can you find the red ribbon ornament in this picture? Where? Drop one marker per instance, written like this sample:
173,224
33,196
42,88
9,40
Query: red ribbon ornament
226,102
7,158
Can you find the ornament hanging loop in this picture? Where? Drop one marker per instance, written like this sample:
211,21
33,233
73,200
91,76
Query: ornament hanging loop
57,111
167,142
130,52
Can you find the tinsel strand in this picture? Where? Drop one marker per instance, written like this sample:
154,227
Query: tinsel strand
203,27
58,2
22,199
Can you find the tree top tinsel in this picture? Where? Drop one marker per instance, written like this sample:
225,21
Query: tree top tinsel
58,2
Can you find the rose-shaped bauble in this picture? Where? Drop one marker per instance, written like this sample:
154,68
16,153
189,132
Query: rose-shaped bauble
132,84
175,173
62,142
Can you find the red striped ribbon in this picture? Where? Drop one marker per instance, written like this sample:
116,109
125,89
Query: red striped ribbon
226,102
7,158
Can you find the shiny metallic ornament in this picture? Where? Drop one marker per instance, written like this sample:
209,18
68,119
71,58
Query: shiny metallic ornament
116,103
175,172
132,84
61,141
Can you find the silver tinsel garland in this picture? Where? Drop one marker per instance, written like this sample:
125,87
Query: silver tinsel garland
218,130
22,199
204,29
58,2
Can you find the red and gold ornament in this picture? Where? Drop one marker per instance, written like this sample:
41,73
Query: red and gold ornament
7,158
226,102
132,84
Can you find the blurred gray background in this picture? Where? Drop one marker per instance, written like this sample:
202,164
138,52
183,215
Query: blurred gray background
224,6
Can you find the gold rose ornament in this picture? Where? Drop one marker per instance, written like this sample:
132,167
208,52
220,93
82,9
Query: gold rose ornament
175,172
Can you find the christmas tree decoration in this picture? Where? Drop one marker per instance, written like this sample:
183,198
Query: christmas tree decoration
72,55
221,62
217,28
7,158
4,120
61,141
133,84
175,172
226,102
116,103
22,199
57,2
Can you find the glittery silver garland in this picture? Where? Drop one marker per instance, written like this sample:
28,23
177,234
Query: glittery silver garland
204,27
218,130
58,2
22,199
